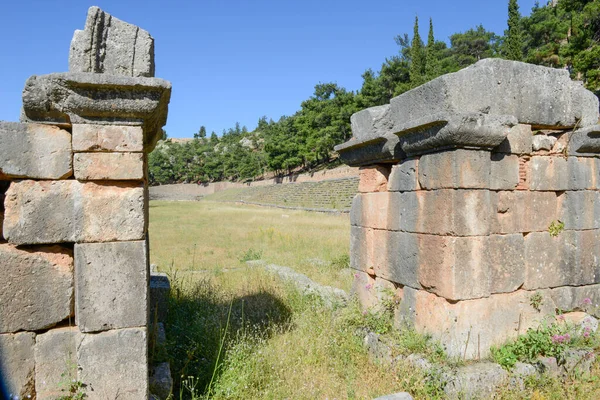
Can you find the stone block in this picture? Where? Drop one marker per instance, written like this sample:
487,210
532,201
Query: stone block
396,257
455,268
569,259
505,255
571,298
502,87
504,171
17,364
375,210
36,290
403,177
523,211
455,169
34,151
560,174
114,364
445,212
55,361
80,212
385,149
584,142
476,381
107,138
518,141
108,166
579,209
371,123
543,142
108,45
373,178
161,382
111,285
160,288
469,328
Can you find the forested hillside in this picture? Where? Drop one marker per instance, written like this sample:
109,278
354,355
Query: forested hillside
561,34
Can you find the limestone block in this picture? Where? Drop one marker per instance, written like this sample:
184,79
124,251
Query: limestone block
160,287
36,290
469,328
560,174
504,171
115,364
585,141
99,99
580,209
17,364
107,138
569,298
371,123
55,361
524,211
108,166
571,258
385,149
375,210
111,281
505,255
543,142
518,141
81,212
445,212
371,291
501,87
476,381
108,45
403,177
373,178
396,257
455,268
396,396
34,151
455,169
361,248
161,382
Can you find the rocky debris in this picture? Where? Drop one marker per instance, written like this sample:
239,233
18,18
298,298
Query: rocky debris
36,289
160,287
108,45
543,142
378,351
475,381
396,396
331,296
161,382
34,151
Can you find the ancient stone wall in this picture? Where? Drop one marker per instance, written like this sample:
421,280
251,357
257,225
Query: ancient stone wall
74,217
479,203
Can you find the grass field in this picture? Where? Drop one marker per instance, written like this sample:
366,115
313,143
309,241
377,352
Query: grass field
239,333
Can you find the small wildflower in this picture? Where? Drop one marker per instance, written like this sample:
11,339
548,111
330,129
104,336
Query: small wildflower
586,334
587,300
560,317
368,286
356,275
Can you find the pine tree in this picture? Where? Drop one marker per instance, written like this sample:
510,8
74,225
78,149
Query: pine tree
417,55
431,62
513,42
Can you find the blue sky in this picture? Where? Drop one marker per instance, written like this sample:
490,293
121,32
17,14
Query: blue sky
236,60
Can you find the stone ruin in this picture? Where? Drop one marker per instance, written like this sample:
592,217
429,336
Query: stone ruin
479,203
74,244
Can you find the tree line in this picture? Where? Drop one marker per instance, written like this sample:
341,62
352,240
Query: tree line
560,34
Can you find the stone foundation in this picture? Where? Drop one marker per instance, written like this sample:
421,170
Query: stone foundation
471,208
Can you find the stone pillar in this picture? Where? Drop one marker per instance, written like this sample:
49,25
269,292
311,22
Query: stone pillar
74,245
479,203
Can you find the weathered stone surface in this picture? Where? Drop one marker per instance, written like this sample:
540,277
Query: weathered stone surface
571,258
518,140
107,138
34,151
161,382
443,212
36,290
523,211
475,381
403,177
373,178
585,141
375,210
396,396
501,87
580,209
17,364
108,166
81,212
371,291
560,174
111,281
371,123
55,361
108,45
115,364
504,171
505,256
455,169
160,287
469,328
87,98
385,149
582,298
543,142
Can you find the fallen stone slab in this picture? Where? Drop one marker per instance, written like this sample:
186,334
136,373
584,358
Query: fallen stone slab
115,361
36,290
108,45
475,381
34,151
40,212
17,364
63,99
109,166
111,281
